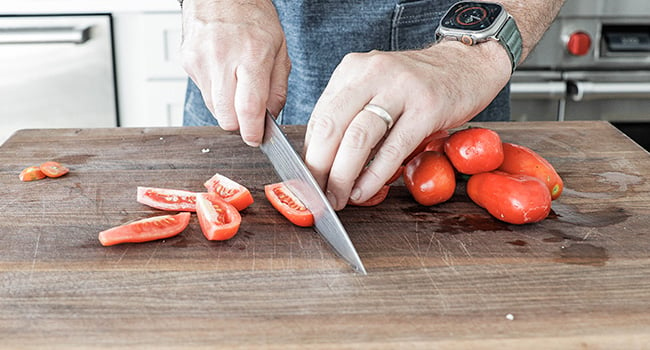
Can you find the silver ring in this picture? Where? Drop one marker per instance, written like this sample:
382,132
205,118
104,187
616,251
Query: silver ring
381,113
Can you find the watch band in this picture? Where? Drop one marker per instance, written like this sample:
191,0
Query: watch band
510,38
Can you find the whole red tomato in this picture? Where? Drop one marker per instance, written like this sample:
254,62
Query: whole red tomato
474,150
430,178
523,160
516,199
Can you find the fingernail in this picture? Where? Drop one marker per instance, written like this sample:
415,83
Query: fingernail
331,198
355,195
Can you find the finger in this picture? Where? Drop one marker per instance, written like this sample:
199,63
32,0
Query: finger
329,120
251,95
387,159
279,81
362,135
222,89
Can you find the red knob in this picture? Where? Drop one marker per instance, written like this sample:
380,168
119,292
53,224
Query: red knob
579,44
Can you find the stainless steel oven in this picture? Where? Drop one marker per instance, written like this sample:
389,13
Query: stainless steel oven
592,64
56,71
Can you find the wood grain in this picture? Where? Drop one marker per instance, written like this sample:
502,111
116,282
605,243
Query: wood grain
447,276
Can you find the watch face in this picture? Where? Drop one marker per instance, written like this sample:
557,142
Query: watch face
472,15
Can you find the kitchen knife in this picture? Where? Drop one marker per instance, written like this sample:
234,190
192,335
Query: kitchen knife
295,175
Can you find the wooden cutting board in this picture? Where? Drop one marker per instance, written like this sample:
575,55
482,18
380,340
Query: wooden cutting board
447,276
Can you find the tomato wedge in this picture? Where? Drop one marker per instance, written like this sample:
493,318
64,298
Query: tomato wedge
374,200
31,173
218,219
167,199
145,230
284,201
53,169
232,192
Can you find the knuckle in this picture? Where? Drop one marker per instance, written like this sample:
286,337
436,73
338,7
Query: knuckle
356,137
322,125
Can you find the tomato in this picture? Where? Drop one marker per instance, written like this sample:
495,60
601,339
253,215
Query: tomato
54,169
167,199
474,150
436,137
31,173
374,200
430,178
231,191
284,201
522,160
219,220
149,229
516,199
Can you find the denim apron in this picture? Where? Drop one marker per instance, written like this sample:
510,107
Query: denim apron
320,32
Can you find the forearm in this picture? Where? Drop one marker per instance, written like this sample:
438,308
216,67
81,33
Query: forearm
533,18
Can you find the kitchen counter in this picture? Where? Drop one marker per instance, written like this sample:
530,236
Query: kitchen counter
447,276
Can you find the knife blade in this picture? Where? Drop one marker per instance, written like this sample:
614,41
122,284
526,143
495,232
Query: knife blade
294,173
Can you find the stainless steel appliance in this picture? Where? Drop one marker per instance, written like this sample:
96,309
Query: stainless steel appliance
56,71
592,64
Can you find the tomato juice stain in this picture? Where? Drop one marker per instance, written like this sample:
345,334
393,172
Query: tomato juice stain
518,242
583,254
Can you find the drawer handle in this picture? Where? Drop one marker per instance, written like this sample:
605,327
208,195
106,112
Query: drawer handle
554,90
44,35
586,90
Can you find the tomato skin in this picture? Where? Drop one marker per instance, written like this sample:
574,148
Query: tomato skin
474,150
523,160
516,199
379,197
145,230
167,199
218,219
430,178
54,169
31,173
284,201
439,136
231,191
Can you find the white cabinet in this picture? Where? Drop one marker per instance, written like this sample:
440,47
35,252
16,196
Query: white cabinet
151,82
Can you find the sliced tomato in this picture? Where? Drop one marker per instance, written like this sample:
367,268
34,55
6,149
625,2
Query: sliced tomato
232,192
54,169
145,230
374,200
31,173
284,201
167,199
218,219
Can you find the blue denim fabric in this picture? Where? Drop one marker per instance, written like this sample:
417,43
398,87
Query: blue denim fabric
320,32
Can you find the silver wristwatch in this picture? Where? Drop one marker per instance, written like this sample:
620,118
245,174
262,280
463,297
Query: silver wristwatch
474,22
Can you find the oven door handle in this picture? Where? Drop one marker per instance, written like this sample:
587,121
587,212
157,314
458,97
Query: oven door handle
547,90
587,90
44,35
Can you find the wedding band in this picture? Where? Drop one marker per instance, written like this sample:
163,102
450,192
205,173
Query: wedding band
381,113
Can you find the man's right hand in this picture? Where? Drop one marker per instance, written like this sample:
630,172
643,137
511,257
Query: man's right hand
236,53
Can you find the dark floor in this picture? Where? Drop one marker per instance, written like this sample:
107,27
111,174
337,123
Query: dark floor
639,132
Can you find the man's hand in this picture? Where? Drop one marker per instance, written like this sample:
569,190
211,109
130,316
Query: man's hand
351,152
236,53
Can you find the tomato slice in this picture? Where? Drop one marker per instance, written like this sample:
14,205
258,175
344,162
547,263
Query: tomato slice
218,219
53,169
145,230
167,199
374,200
31,173
284,201
231,191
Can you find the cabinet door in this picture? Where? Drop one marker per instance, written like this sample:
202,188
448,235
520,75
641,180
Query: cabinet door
151,80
